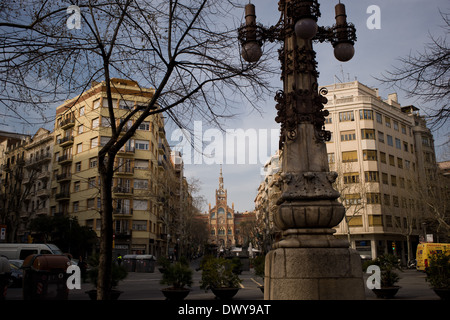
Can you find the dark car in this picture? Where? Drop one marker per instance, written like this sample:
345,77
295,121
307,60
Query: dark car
16,273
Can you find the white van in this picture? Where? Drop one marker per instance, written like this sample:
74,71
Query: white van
19,251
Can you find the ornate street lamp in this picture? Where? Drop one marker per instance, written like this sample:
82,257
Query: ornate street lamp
308,262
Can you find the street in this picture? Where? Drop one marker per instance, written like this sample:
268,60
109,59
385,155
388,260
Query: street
146,286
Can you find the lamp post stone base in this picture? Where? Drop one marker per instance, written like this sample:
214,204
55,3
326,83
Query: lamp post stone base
313,274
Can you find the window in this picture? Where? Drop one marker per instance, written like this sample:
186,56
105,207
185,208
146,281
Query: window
370,155
373,198
81,111
104,140
386,199
126,104
78,167
395,201
392,160
367,134
395,125
371,176
80,129
366,114
403,129
76,206
348,135
141,144
393,181
96,104
400,163
140,184
79,148
139,225
351,177
95,123
405,146
352,199
106,122
379,117
381,136
330,157
93,162
349,156
398,144
91,203
145,125
407,164
140,204
328,120
387,121
94,142
402,182
91,183
76,186
385,178
390,141
346,116
382,157
141,164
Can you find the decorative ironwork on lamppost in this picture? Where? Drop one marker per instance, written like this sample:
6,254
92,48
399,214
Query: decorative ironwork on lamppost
299,265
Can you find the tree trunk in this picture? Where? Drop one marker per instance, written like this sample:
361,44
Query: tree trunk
105,262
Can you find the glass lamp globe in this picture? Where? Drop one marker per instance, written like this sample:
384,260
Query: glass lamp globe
306,28
344,51
251,51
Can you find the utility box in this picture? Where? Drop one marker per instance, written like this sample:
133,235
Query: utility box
129,262
145,263
45,277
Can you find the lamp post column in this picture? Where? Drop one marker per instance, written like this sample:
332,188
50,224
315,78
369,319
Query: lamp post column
308,262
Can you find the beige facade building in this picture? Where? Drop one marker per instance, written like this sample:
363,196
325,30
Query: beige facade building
82,127
382,152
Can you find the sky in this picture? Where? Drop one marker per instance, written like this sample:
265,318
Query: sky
405,28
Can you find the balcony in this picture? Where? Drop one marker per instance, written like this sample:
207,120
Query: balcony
62,196
65,159
162,132
67,123
124,170
43,175
38,160
161,148
43,193
63,177
161,165
127,151
65,141
124,191
124,211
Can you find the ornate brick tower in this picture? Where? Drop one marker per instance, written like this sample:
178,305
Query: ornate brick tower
221,219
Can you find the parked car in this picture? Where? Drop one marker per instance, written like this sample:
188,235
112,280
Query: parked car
16,273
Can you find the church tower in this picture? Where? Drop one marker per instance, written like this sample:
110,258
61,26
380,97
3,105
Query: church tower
221,219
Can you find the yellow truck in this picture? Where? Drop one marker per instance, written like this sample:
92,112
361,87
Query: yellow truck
425,249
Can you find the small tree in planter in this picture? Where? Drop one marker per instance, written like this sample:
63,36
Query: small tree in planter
438,274
177,275
163,263
218,275
118,273
259,268
388,264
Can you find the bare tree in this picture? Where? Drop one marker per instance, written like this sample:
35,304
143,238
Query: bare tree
187,50
425,75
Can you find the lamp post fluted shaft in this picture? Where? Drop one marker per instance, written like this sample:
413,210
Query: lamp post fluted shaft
308,262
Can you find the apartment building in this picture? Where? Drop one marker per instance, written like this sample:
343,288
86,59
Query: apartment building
383,153
82,127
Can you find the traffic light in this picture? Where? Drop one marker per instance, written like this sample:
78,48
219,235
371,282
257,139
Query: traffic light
393,245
